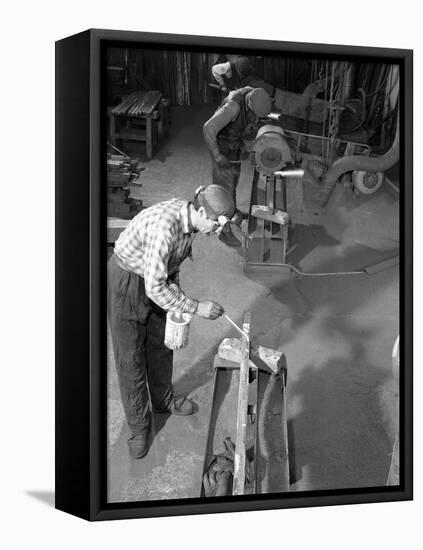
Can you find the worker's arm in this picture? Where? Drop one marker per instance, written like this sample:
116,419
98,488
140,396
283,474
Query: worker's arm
174,278
221,118
174,281
166,295
220,70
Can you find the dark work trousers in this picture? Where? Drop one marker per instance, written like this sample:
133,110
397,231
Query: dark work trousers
143,363
227,177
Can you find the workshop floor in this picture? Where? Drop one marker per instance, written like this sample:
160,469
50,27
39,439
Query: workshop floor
337,333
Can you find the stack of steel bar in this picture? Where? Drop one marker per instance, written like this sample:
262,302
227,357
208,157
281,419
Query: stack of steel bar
138,104
141,116
121,172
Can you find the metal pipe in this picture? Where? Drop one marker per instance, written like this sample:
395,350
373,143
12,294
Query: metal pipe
361,162
305,173
274,116
290,172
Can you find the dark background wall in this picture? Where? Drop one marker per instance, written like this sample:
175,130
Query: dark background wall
184,76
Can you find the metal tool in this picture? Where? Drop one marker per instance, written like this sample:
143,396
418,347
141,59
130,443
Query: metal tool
237,327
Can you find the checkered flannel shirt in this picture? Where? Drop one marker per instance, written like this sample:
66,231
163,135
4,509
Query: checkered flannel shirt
153,245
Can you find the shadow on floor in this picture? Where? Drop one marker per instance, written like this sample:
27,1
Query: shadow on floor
305,238
337,443
338,437
46,497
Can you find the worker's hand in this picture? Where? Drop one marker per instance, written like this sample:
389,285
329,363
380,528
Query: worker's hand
174,286
209,310
236,218
222,161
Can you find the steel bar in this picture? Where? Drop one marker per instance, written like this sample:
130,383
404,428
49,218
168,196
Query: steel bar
237,327
242,418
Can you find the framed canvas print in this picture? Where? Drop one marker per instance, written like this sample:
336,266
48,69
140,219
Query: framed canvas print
234,283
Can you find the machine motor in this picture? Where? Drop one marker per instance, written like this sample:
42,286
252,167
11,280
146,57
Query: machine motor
271,149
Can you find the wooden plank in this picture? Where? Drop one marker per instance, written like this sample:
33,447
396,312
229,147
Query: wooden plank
261,199
266,359
265,213
116,223
112,128
125,104
151,102
134,135
149,139
222,420
251,438
273,467
242,417
245,186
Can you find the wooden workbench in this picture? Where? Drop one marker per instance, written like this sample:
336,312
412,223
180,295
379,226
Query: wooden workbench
141,116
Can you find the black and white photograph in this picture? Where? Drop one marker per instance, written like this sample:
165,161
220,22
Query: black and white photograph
211,231
253,272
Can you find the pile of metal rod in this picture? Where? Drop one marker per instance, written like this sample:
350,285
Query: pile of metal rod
138,104
122,171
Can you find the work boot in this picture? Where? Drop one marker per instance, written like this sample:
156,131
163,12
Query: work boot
181,406
138,445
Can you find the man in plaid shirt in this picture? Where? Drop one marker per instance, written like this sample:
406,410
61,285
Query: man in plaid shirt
143,284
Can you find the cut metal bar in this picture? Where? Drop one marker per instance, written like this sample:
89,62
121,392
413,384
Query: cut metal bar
242,418
237,327
271,215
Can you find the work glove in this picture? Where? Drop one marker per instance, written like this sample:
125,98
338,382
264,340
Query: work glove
209,310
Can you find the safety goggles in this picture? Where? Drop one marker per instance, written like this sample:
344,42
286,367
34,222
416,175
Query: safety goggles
211,214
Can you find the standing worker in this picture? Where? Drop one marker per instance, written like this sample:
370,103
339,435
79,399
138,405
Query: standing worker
224,133
238,73
230,74
143,284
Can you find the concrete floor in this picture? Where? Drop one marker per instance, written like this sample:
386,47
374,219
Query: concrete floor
337,334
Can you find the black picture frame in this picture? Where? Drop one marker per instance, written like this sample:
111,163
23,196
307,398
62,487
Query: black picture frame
81,280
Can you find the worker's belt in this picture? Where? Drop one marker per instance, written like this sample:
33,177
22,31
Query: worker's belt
120,264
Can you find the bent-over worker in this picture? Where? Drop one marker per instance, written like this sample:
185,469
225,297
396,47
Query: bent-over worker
143,284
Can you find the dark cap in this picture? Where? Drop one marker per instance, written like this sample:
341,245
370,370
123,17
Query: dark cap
258,100
243,66
216,200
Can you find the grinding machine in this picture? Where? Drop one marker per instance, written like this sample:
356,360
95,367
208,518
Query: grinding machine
266,227
289,170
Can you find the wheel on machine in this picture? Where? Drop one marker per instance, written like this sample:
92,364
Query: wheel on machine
367,182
